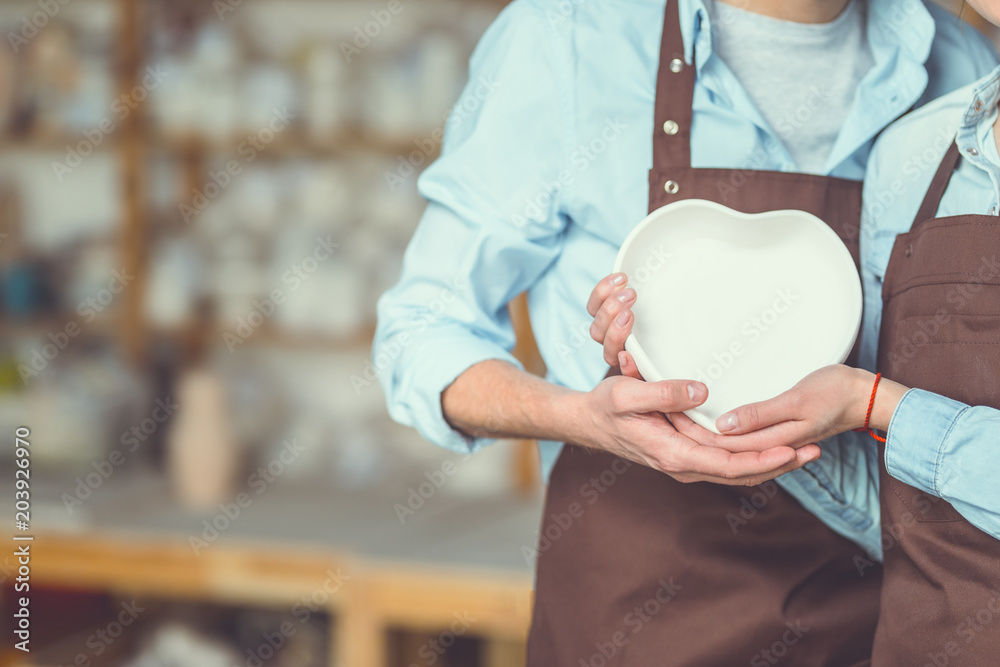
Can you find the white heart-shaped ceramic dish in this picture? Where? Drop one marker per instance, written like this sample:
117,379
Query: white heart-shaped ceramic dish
747,304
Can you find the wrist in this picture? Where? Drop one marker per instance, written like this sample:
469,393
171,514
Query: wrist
886,400
861,394
572,416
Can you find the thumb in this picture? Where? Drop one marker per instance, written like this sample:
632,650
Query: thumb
666,395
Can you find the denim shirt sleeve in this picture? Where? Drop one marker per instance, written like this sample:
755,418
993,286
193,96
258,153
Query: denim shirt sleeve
951,450
477,246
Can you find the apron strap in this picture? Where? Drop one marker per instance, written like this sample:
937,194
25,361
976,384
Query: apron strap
674,95
929,207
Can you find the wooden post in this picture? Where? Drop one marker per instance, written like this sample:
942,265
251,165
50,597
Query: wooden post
359,634
130,134
504,653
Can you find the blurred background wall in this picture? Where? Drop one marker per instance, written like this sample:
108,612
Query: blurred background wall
200,202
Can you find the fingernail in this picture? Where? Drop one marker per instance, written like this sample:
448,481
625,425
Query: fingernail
622,318
696,391
621,360
626,295
728,422
619,279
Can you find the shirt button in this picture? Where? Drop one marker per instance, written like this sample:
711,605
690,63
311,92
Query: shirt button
671,187
978,106
972,151
671,127
676,65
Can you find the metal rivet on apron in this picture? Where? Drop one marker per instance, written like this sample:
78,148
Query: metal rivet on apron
972,151
671,187
978,106
671,127
909,250
676,65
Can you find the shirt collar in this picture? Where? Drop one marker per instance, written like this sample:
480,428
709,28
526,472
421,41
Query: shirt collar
984,99
695,29
975,135
905,25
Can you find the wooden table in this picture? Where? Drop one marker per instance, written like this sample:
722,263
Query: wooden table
453,555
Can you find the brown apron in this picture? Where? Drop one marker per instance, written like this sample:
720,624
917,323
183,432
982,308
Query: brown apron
940,332
637,569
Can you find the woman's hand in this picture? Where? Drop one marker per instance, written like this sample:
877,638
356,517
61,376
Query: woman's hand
826,402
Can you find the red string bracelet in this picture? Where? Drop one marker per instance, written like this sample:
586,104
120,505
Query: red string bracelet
868,416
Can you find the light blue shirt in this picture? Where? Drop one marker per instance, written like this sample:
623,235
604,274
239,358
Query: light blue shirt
935,444
543,173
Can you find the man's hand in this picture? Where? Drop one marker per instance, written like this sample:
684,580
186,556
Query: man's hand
610,305
625,417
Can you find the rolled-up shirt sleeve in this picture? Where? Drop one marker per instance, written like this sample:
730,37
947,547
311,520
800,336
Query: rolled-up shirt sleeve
492,226
951,450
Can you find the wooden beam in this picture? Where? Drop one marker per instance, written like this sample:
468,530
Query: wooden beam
432,599
130,58
169,568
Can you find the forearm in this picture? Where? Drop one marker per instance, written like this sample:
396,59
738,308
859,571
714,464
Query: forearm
494,399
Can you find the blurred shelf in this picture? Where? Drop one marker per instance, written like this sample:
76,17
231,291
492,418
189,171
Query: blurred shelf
61,143
349,142
274,336
457,554
114,653
311,341
40,328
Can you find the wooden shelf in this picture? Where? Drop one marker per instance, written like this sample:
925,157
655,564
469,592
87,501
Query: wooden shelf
274,336
290,144
99,327
349,142
279,337
168,568
51,144
48,656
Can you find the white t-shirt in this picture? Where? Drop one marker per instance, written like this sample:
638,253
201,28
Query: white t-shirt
802,76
